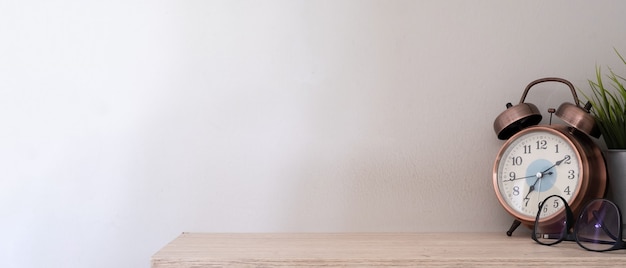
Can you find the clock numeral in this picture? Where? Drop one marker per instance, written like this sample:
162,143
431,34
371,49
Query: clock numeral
555,205
556,148
517,160
516,190
568,159
527,149
567,191
542,145
512,176
571,174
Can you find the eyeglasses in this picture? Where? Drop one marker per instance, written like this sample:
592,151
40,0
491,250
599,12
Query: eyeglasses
598,227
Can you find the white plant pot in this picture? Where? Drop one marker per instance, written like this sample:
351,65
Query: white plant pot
616,167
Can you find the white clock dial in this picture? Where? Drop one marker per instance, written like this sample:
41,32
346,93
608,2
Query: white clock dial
535,165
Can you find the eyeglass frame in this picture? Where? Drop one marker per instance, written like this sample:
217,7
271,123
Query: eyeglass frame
570,224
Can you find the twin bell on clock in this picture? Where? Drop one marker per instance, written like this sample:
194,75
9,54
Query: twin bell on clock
537,161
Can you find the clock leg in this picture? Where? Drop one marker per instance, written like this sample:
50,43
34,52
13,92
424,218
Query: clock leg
514,226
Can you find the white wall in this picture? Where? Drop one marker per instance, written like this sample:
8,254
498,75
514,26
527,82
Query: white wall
125,123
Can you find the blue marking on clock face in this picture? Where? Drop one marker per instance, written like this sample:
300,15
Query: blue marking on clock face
538,166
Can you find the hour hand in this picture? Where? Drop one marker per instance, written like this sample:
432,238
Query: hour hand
530,190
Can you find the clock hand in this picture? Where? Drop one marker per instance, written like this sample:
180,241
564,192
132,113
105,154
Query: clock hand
540,176
557,163
545,173
532,187
538,193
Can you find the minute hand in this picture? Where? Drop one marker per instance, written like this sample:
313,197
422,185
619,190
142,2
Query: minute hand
555,164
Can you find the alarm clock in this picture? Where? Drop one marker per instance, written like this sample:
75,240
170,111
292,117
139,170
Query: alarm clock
537,161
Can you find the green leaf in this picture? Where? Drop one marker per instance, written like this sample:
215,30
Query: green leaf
608,101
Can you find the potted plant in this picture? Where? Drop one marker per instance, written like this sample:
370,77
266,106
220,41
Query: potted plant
608,100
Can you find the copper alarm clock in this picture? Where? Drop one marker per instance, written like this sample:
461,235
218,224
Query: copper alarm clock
537,161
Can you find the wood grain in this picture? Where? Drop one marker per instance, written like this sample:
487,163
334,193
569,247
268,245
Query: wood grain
374,250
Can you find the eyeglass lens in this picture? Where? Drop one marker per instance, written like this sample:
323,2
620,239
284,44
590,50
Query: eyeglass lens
598,227
551,224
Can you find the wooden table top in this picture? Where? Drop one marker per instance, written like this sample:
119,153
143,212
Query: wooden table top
374,250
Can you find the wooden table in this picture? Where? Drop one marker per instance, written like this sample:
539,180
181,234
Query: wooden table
374,250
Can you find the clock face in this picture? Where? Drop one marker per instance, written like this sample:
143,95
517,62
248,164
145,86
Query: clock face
533,165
